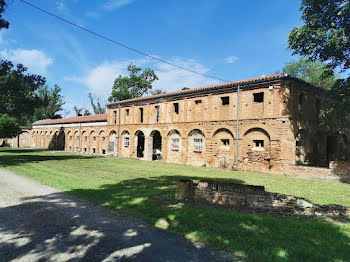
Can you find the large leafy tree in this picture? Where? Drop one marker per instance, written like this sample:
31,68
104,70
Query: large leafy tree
314,72
3,22
135,85
9,126
81,111
97,106
325,37
51,102
325,34
18,92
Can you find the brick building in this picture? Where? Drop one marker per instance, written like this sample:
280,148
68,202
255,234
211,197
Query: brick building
277,127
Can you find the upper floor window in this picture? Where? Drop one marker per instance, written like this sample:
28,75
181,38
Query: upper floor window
85,138
127,112
176,108
157,114
259,97
115,117
198,144
225,100
198,101
71,137
141,114
94,138
103,138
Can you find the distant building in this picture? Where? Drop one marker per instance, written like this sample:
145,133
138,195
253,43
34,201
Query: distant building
278,129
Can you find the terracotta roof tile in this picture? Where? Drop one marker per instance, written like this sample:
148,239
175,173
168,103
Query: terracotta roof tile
78,119
203,88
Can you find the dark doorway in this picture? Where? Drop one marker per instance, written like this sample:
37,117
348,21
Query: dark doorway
157,146
331,147
140,144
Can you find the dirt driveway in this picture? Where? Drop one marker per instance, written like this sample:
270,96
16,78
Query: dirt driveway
39,223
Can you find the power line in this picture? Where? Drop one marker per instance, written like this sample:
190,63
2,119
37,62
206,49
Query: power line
118,43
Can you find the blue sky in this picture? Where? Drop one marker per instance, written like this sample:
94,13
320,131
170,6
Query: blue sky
225,38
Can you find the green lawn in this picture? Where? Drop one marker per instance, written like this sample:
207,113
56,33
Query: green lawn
146,190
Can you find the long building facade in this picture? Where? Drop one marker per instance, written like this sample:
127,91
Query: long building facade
267,123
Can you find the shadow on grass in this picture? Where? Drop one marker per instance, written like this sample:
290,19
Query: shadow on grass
15,157
256,237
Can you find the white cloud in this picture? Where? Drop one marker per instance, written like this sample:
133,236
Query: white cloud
231,59
111,5
61,7
36,60
99,80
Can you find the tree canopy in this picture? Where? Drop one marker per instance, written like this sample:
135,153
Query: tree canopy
325,34
135,85
81,111
3,22
314,72
9,126
325,37
51,102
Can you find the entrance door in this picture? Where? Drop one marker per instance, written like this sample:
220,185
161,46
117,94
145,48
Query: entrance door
157,146
140,144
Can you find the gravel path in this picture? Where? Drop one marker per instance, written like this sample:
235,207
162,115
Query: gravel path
40,223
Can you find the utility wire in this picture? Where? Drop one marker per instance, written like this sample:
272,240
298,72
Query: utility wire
120,44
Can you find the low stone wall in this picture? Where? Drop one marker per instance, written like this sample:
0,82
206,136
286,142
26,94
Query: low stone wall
256,199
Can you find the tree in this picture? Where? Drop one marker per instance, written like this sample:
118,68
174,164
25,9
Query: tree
97,107
3,22
325,35
135,85
18,92
81,111
314,72
185,88
9,126
51,103
157,92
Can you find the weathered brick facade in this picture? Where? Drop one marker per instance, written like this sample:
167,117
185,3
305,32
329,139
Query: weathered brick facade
277,127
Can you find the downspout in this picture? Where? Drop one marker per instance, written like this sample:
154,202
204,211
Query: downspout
237,130
118,130
79,135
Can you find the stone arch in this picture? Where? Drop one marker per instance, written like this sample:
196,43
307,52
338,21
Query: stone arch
157,143
223,146
125,143
24,139
256,147
174,146
140,143
84,142
93,142
103,142
196,147
113,141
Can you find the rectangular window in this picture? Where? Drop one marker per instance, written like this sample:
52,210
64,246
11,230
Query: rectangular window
70,148
175,144
225,100
126,141
94,150
141,115
78,137
176,108
258,143
115,117
198,101
103,138
71,137
157,114
85,138
225,142
127,112
85,150
103,151
198,144
94,138
259,97
77,149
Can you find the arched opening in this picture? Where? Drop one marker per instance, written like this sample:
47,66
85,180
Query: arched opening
174,149
93,142
223,148
196,148
102,138
140,144
112,141
156,145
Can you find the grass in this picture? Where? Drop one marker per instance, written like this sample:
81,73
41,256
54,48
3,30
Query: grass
146,190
